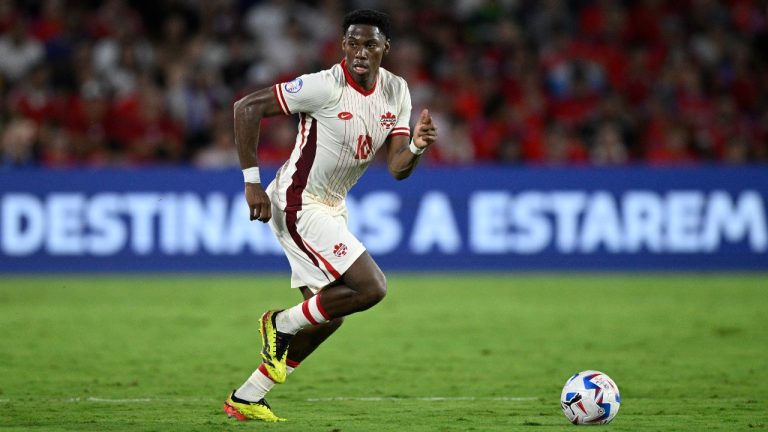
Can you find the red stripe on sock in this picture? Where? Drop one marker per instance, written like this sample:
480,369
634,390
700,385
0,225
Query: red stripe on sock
307,313
291,363
320,308
263,370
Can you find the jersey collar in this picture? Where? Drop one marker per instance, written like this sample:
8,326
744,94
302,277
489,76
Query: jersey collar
351,81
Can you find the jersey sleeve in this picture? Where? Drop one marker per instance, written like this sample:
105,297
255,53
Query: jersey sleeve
307,93
404,115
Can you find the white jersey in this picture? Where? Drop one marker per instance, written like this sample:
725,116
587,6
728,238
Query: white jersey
341,126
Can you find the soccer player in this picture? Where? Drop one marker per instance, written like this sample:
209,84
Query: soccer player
346,114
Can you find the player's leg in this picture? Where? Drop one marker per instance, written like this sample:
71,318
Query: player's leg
307,340
256,387
304,343
359,288
322,253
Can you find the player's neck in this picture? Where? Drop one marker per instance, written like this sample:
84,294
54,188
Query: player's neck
367,82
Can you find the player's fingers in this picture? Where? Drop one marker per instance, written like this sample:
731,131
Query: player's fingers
252,212
425,118
425,131
265,213
257,211
429,132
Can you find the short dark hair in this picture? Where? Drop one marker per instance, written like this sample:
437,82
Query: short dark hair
368,17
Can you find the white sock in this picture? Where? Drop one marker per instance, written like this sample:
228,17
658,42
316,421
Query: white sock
305,314
259,384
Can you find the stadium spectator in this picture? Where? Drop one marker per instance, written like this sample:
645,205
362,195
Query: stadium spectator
17,141
608,147
221,152
18,51
89,124
34,97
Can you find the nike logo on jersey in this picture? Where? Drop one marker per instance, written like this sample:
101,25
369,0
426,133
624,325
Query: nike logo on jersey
344,115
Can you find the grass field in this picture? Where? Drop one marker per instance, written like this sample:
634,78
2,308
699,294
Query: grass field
441,353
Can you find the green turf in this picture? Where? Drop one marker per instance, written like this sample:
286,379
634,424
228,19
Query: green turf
689,353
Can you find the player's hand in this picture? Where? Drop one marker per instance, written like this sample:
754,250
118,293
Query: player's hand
425,133
259,205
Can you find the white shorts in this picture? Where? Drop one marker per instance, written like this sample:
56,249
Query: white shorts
317,242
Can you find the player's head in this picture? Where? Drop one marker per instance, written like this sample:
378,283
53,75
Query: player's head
365,41
370,17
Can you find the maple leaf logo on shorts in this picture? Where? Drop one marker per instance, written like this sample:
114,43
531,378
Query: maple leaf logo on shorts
340,250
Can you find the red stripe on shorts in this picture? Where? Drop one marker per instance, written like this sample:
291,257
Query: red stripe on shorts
327,265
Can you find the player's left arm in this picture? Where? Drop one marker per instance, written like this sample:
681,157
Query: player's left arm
402,157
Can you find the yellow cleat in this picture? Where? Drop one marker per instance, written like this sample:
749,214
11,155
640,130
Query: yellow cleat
274,347
244,410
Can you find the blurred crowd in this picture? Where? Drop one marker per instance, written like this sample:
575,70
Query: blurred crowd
538,82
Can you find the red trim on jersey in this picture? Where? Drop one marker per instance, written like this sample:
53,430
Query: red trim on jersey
307,313
351,81
281,99
327,265
298,183
263,370
401,131
320,308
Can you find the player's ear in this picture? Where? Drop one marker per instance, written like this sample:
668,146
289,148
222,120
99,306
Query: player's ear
386,47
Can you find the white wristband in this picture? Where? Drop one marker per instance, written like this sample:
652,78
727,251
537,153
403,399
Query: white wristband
415,150
251,175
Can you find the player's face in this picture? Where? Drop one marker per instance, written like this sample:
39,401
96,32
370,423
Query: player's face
364,46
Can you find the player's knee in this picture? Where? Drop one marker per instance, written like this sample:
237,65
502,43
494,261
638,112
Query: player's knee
377,289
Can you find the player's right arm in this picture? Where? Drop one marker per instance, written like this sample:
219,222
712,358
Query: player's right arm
248,114
306,93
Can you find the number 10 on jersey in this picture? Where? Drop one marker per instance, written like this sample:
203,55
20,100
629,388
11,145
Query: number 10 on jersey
364,147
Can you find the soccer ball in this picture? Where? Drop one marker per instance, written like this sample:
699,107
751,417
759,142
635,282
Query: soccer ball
590,397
